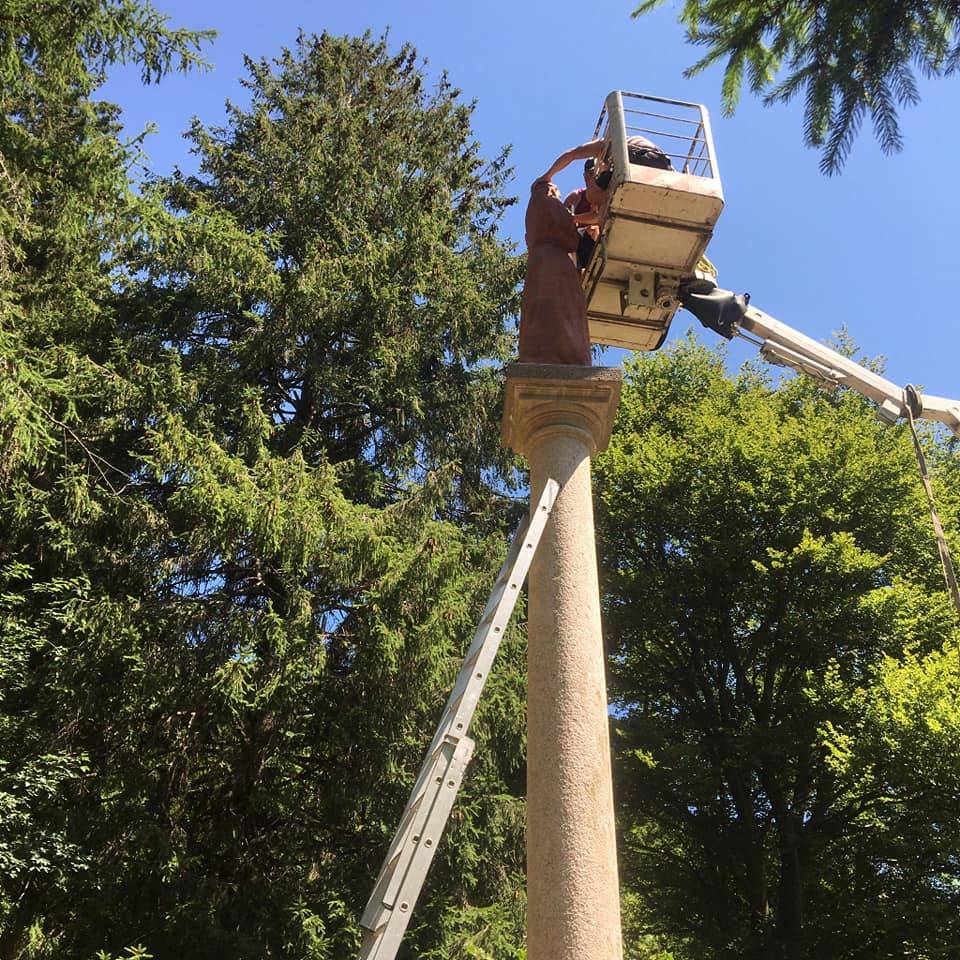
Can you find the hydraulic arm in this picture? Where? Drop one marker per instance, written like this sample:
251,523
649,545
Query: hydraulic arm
729,314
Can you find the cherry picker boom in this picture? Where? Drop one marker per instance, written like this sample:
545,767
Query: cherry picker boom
649,260
729,314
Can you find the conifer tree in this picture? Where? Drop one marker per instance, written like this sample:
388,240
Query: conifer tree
847,60
252,505
65,214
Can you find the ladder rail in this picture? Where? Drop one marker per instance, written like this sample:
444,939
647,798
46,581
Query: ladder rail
384,931
405,866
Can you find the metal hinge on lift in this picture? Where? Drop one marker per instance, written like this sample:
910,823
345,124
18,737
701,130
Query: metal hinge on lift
405,868
650,289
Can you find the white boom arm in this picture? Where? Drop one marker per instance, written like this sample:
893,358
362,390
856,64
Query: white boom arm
728,314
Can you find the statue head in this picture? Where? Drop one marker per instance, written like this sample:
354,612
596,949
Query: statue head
545,187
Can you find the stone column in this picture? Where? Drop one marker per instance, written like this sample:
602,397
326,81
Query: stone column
558,417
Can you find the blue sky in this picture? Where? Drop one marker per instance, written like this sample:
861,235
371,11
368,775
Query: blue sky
874,248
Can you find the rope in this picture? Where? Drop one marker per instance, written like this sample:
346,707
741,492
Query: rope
914,406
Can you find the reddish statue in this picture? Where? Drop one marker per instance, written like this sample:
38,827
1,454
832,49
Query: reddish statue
553,313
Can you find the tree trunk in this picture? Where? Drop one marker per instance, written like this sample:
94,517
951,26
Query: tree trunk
790,894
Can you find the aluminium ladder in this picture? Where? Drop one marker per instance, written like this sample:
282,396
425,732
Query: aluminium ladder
405,868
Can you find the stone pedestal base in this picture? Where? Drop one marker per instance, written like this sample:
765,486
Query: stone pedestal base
558,417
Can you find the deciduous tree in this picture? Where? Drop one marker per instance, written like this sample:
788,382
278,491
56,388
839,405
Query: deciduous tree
773,602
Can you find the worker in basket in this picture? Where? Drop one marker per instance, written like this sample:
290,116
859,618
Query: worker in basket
588,205
553,313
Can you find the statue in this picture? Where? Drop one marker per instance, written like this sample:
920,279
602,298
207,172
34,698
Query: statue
553,312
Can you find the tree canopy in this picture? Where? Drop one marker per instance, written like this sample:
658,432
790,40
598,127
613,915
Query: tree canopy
847,60
784,668
252,500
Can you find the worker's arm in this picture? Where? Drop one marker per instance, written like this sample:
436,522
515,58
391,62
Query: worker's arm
586,219
586,150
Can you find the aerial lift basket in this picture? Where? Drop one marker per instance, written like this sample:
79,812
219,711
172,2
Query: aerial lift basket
656,224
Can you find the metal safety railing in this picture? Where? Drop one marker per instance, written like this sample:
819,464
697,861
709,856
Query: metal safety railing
680,129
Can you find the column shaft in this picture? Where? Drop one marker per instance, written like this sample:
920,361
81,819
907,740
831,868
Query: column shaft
572,884
558,417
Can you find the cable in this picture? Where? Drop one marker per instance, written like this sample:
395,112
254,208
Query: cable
914,405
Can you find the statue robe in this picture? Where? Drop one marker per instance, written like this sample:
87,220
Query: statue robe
553,312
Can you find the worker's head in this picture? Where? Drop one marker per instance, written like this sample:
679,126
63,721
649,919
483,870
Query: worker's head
592,167
597,174
645,153
596,177
603,178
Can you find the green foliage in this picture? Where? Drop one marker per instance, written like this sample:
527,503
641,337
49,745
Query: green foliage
848,60
250,507
897,761
339,251
638,942
65,206
65,209
494,932
252,499
130,953
771,586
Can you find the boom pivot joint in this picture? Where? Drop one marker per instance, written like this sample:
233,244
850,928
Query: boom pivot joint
719,310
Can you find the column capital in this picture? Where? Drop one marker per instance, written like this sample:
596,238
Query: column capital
541,399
